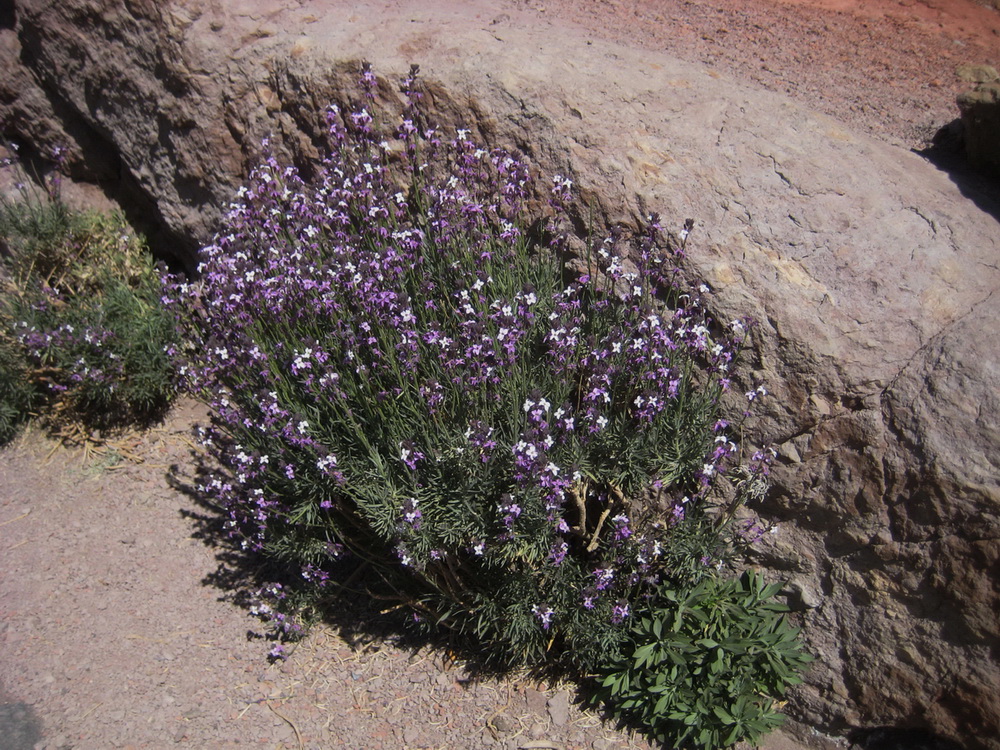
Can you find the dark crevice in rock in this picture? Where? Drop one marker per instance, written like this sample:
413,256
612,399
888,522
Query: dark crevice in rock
8,14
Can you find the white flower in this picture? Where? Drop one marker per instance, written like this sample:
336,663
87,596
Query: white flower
562,183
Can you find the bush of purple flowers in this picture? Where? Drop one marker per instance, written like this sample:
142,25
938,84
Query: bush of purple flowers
404,372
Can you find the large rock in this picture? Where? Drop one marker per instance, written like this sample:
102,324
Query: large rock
873,278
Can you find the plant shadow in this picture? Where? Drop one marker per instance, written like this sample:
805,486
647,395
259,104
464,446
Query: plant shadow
357,610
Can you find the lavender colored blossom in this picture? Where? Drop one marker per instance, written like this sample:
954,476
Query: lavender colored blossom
620,611
544,615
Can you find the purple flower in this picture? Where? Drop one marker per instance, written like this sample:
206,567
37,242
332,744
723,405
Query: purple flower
622,531
411,513
316,575
409,454
511,511
558,553
620,611
604,577
544,615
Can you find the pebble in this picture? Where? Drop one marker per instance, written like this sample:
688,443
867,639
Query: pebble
536,701
444,680
559,708
411,734
504,723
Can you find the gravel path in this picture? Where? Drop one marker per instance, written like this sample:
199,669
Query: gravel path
117,626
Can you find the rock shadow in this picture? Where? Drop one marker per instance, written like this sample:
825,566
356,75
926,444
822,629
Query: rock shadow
898,738
947,152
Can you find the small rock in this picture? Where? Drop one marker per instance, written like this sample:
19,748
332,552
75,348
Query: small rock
503,723
411,735
536,701
538,730
444,679
803,595
559,708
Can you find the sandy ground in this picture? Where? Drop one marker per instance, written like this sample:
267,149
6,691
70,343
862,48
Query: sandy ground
118,625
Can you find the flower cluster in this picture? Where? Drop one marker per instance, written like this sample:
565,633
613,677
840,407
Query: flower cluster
398,367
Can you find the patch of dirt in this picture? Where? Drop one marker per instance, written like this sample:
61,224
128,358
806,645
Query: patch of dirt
117,628
885,67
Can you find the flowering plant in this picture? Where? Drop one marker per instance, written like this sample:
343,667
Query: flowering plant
404,371
82,332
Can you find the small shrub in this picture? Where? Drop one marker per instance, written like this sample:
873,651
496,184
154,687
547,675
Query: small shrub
408,376
17,396
704,666
85,334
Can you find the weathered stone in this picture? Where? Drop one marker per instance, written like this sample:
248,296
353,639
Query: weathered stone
872,276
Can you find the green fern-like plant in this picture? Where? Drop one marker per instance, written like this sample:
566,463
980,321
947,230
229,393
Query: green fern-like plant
705,667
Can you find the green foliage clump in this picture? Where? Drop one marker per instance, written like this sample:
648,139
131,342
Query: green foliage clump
705,666
83,334
17,396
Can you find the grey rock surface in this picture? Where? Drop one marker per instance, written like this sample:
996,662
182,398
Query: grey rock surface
873,277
